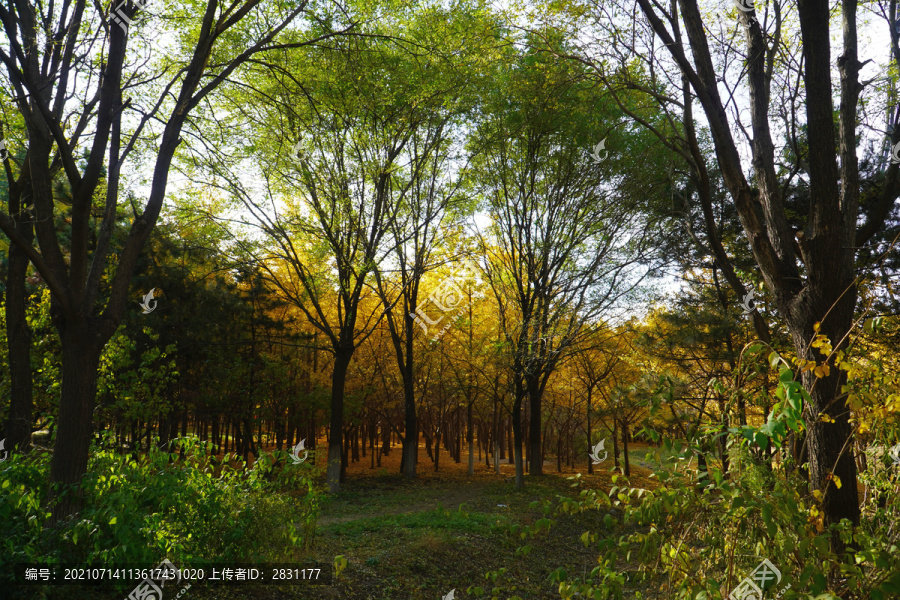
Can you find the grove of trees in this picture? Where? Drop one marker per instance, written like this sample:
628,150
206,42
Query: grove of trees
505,234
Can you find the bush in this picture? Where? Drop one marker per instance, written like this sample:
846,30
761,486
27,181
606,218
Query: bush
699,538
160,505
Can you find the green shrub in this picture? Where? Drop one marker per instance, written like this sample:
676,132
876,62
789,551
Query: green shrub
161,505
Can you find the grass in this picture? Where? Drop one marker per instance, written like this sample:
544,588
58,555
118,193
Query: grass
417,540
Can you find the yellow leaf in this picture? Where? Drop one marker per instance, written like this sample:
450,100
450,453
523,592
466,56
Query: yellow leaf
817,327
837,481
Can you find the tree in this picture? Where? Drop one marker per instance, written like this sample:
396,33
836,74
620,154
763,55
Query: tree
365,146
594,362
562,248
432,97
808,260
18,334
71,69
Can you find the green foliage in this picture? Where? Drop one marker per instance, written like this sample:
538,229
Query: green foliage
137,511
698,539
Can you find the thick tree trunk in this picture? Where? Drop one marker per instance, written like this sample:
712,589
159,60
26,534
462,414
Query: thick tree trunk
829,450
336,468
81,350
18,340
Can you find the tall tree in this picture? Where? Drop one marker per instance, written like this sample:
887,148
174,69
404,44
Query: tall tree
71,66
563,248
364,145
806,260
434,94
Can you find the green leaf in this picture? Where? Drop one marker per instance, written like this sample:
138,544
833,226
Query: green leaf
786,375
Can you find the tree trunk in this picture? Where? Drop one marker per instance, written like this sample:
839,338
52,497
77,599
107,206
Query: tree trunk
510,441
78,389
590,439
411,436
18,341
470,437
336,467
428,450
437,447
355,446
559,448
364,435
386,439
516,453
829,452
535,457
615,437
501,438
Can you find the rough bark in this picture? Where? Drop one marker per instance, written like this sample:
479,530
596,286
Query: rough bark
826,248
81,348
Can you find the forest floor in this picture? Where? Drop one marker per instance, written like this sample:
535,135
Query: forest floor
418,540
